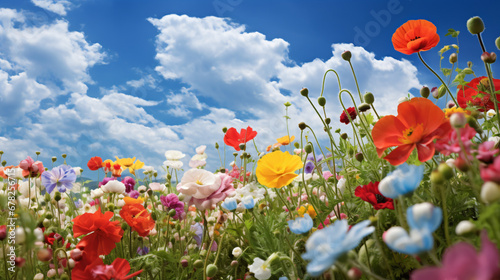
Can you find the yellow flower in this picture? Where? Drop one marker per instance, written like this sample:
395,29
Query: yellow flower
310,210
277,169
285,140
136,166
130,200
450,111
127,162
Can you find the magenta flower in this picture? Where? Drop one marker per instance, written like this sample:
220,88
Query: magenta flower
171,201
129,183
106,180
134,194
461,262
491,173
226,189
487,151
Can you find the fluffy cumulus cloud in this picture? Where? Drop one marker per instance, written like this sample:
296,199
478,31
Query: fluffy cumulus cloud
59,7
41,62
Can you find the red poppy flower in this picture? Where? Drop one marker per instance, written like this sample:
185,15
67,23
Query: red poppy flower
417,124
481,85
103,236
96,269
49,239
372,195
415,36
234,139
94,163
352,113
138,218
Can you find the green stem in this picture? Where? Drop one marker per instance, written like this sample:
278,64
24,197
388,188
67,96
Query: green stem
445,214
356,80
444,84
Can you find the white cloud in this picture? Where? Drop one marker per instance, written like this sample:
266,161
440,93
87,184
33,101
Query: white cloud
183,103
59,7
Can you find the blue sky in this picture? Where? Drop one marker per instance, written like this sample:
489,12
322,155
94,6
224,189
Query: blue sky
137,78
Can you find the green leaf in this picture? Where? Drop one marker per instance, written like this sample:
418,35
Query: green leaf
446,71
452,32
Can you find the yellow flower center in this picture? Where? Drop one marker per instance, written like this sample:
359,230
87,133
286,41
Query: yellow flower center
199,182
412,134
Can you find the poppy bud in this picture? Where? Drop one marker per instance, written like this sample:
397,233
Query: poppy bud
169,176
63,155
437,178
308,148
474,124
154,216
469,64
64,277
328,120
446,171
343,136
1,152
346,55
304,92
354,273
184,263
464,227
475,25
172,212
461,164
441,91
363,107
287,104
424,92
489,57
57,196
211,270
296,145
321,101
359,157
4,163
369,98
150,192
351,152
453,58
302,125
76,254
54,159
124,226
234,263
110,206
458,120
497,42
490,192
216,145
222,170
44,255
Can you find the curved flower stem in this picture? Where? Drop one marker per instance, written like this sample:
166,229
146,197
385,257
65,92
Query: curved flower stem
307,191
324,77
490,79
444,84
321,150
356,80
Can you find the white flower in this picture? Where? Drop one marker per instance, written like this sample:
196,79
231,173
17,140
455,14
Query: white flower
120,203
96,193
20,235
78,170
114,186
76,187
465,227
175,164
24,189
260,269
237,252
157,187
341,185
174,155
142,188
38,276
495,139
491,113
200,157
201,149
199,183
490,192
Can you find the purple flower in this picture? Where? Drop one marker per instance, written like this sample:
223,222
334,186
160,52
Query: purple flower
134,194
171,201
309,167
62,177
106,180
141,251
198,231
461,262
129,183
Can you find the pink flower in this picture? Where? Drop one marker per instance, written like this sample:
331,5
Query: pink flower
129,183
461,262
487,151
327,174
31,168
450,144
226,189
171,201
491,172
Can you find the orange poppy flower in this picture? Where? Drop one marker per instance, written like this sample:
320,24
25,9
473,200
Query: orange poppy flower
130,200
285,140
417,124
415,36
103,236
468,94
94,163
234,139
138,218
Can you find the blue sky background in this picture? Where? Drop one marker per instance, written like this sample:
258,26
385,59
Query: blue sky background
137,78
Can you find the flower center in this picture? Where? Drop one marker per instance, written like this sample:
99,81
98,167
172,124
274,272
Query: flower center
412,134
199,182
416,38
380,198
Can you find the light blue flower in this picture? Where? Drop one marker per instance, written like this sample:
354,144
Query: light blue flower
418,241
248,202
283,278
424,216
326,245
423,219
229,204
301,225
406,178
63,177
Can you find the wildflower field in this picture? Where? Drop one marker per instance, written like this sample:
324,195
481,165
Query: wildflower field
409,196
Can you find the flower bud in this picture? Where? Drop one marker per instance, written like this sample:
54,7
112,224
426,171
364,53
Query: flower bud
54,159
304,92
474,124
44,255
497,42
64,277
234,263
490,192
242,146
57,196
308,148
4,162
302,125
110,206
237,252
172,212
475,25
38,276
359,157
184,263
446,171
76,254
321,101
216,145
437,178
211,270
424,92
354,273
328,120
198,264
344,136
453,58
346,55
465,227
296,145
458,120
489,57
369,98
363,107
224,129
